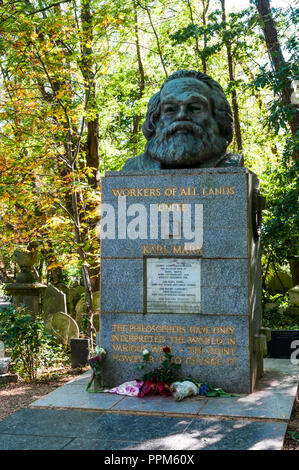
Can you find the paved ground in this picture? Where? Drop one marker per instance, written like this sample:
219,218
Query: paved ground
71,418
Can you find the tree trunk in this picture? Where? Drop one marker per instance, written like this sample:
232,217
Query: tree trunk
278,62
137,118
237,128
294,266
146,8
88,69
205,8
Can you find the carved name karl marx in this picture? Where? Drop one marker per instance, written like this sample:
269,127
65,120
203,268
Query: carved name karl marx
188,124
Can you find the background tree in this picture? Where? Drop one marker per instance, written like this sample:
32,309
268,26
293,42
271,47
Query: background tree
75,80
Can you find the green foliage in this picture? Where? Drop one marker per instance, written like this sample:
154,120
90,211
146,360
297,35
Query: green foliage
30,347
59,73
277,320
281,187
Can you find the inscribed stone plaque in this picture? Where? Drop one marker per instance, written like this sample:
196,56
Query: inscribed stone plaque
173,285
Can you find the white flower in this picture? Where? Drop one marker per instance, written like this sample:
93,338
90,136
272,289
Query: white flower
145,352
100,351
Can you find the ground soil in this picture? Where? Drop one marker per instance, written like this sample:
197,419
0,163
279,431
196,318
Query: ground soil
293,428
21,394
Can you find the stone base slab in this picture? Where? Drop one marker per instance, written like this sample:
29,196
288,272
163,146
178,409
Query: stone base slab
8,378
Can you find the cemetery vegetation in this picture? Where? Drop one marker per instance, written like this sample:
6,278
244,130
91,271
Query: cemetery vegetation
75,80
30,346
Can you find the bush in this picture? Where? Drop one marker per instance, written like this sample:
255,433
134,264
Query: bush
275,317
31,347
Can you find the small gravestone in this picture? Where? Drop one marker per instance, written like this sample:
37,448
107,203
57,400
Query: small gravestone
53,301
80,309
64,327
79,352
73,297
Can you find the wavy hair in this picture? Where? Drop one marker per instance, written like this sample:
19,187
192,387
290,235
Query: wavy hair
220,106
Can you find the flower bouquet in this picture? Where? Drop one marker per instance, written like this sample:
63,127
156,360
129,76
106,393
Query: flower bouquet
157,381
95,364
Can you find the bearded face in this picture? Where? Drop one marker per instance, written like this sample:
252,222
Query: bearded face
187,134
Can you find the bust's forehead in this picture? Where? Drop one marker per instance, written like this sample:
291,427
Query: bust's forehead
180,87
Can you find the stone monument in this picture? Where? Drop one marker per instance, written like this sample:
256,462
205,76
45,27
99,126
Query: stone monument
27,290
180,250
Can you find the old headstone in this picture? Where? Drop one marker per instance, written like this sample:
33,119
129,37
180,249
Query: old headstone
80,309
280,282
53,301
73,297
180,250
63,326
294,295
80,350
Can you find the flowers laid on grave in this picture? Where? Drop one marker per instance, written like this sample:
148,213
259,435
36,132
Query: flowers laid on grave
162,380
96,365
157,381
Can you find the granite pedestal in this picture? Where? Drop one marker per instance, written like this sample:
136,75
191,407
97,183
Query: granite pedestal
180,267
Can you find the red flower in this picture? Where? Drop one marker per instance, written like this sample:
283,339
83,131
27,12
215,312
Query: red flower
146,388
166,349
156,388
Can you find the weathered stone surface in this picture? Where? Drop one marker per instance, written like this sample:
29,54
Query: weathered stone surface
26,258
280,282
28,294
2,349
292,311
4,305
80,309
294,295
210,348
215,342
8,378
4,364
63,326
73,295
53,301
96,300
79,351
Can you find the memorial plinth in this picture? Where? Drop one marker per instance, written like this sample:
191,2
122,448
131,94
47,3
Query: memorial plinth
28,294
180,267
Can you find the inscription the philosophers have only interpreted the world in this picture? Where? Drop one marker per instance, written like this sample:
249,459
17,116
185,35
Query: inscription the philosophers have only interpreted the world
208,345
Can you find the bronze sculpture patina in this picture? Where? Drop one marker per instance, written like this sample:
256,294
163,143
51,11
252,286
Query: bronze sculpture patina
188,124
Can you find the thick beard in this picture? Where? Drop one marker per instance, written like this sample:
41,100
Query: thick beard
183,150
